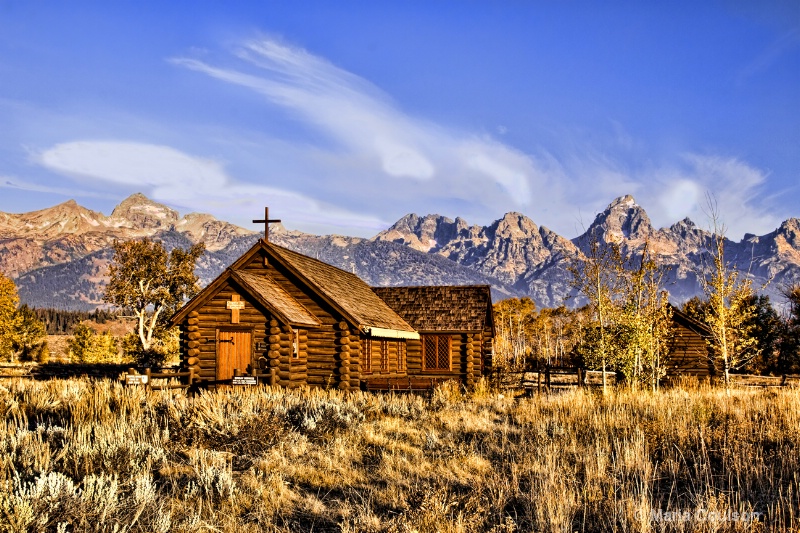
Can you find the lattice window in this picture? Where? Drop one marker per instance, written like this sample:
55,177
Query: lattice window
436,352
401,356
384,356
366,356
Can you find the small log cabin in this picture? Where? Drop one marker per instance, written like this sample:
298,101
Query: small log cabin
293,320
456,327
689,352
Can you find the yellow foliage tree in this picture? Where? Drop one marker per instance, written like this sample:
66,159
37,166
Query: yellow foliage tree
8,316
731,308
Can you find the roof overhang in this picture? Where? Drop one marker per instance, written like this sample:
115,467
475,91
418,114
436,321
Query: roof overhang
390,333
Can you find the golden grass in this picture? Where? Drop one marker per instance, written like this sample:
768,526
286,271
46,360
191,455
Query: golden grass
79,455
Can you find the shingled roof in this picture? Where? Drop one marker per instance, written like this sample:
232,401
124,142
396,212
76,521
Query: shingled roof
441,308
344,290
272,295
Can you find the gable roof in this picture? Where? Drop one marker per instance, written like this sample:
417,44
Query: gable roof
689,322
442,308
345,292
273,297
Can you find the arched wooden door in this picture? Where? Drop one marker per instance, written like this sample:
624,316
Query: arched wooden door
234,351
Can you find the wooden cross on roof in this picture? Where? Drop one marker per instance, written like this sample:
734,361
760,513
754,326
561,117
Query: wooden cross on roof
266,221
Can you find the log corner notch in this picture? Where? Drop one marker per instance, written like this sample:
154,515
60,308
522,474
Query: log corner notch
343,354
192,338
273,352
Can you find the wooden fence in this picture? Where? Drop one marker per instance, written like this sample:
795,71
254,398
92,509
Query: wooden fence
747,380
133,377
551,378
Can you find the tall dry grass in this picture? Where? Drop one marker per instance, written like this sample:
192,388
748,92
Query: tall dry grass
77,455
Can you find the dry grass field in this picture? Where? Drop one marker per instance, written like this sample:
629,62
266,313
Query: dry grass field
78,455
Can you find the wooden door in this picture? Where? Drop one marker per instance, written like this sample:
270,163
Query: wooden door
234,351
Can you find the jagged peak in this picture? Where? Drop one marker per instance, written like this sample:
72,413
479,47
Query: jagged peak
623,218
514,224
413,221
141,212
627,201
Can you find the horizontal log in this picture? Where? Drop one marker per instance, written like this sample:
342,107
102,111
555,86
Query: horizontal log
273,354
318,372
317,341
193,344
274,331
193,314
273,323
320,334
193,336
193,352
320,366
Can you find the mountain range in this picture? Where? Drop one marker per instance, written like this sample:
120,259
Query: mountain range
58,256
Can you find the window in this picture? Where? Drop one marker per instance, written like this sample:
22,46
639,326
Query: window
436,352
401,356
384,356
366,356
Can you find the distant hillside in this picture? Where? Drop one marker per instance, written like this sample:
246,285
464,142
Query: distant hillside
532,259
64,263
59,256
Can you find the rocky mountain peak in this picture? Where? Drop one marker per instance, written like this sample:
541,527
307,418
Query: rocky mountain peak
623,219
515,226
425,234
140,212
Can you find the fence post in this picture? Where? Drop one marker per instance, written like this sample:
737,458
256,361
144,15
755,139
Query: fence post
547,378
538,380
149,378
580,377
191,376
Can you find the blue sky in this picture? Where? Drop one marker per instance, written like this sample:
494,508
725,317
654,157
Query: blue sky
344,116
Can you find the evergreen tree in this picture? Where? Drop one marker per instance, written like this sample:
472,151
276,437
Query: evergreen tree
29,342
789,345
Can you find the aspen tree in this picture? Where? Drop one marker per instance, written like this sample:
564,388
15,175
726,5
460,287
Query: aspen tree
731,306
8,315
599,277
151,284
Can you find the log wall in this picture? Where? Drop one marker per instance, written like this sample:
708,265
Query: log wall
688,353
199,331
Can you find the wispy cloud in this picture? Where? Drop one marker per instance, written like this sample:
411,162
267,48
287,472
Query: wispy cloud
736,186
362,120
770,55
369,161
172,176
10,182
